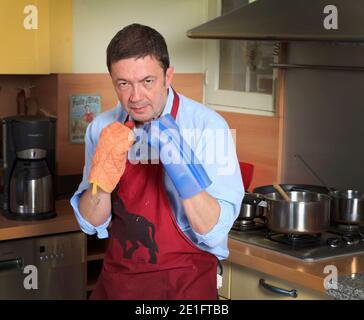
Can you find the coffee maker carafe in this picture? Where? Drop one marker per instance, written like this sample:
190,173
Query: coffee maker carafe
29,163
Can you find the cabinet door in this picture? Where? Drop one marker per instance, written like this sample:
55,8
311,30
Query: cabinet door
24,51
224,291
245,286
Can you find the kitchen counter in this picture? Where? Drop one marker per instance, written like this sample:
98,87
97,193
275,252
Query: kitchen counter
65,221
307,274
350,287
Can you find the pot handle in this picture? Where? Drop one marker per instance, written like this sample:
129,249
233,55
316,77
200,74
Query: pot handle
291,293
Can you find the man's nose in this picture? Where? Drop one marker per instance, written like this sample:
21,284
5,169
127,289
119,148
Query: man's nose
135,94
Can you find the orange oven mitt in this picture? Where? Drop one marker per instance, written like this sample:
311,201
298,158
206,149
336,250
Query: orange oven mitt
108,162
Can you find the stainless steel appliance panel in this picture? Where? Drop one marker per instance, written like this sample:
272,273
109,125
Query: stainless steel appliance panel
60,261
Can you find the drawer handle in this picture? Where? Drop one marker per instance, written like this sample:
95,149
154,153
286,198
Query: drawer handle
291,293
8,265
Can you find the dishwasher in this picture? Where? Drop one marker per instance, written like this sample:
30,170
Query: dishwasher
44,268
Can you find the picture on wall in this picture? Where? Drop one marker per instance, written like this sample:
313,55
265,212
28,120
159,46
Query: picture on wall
83,109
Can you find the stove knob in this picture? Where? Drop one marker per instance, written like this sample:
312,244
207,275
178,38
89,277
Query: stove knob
349,240
333,242
361,236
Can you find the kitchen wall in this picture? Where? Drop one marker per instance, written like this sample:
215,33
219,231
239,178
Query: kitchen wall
95,22
257,136
324,116
8,92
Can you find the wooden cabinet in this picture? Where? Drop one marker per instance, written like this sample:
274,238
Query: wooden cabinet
224,291
35,36
244,285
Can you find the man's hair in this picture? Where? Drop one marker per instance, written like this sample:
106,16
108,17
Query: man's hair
137,41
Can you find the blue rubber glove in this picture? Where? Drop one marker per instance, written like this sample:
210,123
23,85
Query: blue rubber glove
179,161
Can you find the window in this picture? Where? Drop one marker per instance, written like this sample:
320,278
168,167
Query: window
239,76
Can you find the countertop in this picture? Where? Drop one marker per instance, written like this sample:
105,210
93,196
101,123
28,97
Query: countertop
308,274
65,221
349,287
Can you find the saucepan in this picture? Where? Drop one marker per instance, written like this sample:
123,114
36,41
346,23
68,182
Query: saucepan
252,207
347,206
305,213
294,187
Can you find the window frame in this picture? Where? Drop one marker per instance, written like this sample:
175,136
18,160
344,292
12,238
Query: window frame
228,100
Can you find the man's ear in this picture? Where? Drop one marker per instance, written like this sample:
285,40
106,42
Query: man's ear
169,76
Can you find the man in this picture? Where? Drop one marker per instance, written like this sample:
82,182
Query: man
170,218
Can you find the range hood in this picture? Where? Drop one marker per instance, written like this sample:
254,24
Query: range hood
289,20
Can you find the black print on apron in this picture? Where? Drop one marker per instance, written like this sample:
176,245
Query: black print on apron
137,229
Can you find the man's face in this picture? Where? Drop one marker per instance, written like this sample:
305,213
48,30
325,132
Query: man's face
141,86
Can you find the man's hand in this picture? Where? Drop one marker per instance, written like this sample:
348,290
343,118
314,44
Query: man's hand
188,175
180,163
108,162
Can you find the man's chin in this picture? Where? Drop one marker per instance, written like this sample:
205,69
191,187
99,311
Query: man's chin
142,118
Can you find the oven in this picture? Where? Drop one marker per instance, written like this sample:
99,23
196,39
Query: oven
49,267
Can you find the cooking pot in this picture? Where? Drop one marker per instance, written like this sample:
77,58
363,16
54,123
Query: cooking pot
347,207
294,187
306,213
251,206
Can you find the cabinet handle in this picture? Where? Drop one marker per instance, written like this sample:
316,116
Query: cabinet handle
14,264
291,293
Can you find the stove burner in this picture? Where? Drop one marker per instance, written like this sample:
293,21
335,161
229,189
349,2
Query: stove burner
244,225
349,228
346,229
294,240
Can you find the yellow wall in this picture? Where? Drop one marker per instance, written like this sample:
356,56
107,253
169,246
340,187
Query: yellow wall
23,51
95,22
61,36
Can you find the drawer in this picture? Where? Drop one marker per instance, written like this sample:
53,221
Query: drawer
245,286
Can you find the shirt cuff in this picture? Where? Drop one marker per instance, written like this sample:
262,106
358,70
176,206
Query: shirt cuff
86,226
221,229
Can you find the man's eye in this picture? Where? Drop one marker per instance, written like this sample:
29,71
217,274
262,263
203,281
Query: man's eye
149,82
122,85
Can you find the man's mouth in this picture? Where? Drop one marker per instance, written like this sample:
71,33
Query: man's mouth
139,109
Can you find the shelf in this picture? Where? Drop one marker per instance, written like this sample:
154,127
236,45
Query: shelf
90,286
96,248
95,256
316,67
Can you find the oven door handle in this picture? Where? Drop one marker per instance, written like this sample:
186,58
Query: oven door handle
291,293
13,264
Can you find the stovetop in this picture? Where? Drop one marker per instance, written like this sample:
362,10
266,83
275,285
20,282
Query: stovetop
331,244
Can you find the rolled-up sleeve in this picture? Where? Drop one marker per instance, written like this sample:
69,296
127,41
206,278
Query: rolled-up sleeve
218,233
86,226
227,185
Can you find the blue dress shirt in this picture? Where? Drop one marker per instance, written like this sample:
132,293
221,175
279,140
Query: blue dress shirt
209,136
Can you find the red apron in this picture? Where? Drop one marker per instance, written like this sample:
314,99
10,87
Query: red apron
149,257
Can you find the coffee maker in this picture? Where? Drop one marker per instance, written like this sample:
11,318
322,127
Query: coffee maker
28,167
